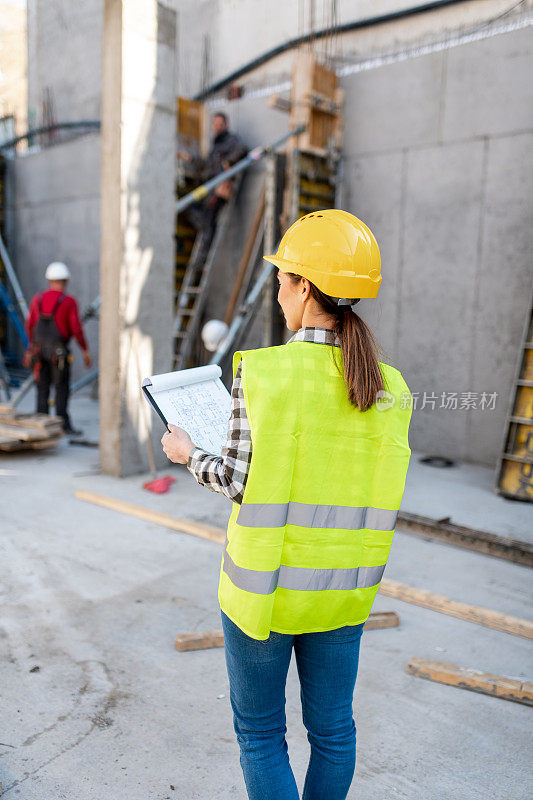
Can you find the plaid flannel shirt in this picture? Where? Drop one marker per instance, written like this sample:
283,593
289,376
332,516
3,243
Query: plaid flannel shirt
227,473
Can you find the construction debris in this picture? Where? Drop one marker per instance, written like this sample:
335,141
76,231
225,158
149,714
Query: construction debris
474,680
20,431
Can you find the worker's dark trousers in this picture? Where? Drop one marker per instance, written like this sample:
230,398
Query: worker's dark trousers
203,215
49,374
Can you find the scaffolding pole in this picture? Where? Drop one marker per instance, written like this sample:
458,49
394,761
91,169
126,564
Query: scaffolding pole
15,285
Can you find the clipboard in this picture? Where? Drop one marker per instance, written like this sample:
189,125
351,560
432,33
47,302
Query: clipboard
195,400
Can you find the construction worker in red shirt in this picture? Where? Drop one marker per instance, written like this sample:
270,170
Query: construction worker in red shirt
53,319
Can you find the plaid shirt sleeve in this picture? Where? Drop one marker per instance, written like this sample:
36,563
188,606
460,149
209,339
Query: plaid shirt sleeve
227,473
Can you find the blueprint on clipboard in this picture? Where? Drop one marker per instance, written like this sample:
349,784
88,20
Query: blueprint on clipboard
195,400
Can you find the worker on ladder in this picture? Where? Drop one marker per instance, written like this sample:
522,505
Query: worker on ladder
315,463
227,148
53,319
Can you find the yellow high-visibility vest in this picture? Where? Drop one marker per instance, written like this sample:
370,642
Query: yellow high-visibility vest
307,548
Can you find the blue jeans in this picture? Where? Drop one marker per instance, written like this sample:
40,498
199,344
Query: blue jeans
327,668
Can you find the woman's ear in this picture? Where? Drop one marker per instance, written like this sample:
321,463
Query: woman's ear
305,288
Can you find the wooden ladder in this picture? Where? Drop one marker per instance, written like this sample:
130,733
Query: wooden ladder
193,293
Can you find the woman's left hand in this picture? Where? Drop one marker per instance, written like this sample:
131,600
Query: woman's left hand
177,445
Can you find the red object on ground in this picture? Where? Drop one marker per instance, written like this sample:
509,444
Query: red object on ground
160,485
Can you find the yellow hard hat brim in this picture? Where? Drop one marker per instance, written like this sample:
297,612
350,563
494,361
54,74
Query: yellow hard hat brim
349,285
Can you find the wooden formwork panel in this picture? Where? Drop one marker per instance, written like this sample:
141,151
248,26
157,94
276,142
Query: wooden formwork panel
316,102
311,185
515,467
192,125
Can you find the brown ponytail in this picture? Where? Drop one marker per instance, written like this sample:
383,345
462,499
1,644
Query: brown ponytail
362,375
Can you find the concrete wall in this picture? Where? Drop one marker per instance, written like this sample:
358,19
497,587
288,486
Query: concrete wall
64,55
216,49
13,64
436,162
57,215
65,41
437,165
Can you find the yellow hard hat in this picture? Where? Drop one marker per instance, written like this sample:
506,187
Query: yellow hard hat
334,250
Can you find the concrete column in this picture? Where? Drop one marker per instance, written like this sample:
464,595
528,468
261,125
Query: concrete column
137,217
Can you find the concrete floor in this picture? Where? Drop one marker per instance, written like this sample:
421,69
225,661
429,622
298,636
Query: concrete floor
94,599
465,493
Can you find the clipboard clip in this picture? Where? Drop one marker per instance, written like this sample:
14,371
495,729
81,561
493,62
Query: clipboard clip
146,391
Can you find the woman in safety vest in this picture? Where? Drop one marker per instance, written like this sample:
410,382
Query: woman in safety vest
315,465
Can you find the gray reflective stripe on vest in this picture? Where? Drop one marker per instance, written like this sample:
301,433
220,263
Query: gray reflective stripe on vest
301,578
250,580
276,515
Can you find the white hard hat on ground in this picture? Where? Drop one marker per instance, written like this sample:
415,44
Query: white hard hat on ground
57,271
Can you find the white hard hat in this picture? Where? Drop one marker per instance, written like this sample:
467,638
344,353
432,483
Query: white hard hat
57,271
212,334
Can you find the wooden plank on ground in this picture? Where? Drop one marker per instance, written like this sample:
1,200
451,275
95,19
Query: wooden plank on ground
11,445
24,434
39,421
199,640
402,591
491,544
141,512
438,602
474,680
8,443
204,640
43,444
382,619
